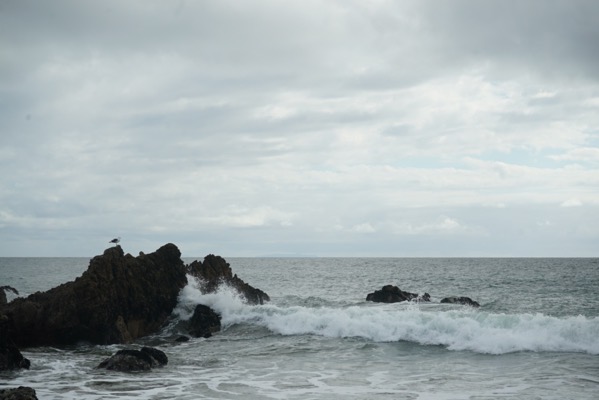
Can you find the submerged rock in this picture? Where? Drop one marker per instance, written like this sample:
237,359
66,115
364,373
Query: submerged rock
393,294
204,322
460,300
20,393
118,299
215,271
135,360
10,356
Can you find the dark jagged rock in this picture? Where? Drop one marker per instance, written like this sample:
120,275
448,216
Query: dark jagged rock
20,393
118,299
425,297
460,300
135,360
393,294
10,356
182,338
204,322
3,290
215,271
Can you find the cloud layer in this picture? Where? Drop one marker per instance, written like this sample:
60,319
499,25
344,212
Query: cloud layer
344,128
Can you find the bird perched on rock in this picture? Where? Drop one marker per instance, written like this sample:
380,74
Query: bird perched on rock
115,240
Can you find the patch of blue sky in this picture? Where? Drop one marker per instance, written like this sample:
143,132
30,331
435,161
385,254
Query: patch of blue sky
593,141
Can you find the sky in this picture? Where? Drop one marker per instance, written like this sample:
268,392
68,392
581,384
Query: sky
313,128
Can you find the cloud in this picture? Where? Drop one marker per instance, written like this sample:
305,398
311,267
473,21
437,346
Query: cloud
528,37
572,203
245,126
363,228
240,217
442,226
583,154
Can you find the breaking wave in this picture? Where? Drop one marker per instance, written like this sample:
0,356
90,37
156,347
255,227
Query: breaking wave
463,329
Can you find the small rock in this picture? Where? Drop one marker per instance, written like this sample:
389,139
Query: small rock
393,294
425,297
20,393
135,360
204,322
460,300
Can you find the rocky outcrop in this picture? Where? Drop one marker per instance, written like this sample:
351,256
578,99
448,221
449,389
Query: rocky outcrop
135,360
460,300
10,356
215,271
20,393
393,294
118,299
204,322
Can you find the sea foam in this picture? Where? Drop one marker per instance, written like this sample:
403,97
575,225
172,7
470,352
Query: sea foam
225,300
464,329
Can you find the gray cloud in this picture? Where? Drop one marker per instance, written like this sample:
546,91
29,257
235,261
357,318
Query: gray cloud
266,127
555,39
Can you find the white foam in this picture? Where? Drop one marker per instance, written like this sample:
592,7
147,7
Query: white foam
464,329
225,300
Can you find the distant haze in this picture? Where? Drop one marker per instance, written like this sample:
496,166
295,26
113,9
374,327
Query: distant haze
327,128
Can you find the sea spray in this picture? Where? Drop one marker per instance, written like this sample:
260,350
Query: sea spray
225,300
465,329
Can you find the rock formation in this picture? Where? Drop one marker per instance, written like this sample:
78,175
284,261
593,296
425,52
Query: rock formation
20,393
204,322
135,360
393,294
118,299
215,271
460,300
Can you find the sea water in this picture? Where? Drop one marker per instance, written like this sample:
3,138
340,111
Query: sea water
535,336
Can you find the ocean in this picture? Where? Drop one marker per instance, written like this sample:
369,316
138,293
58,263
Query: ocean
535,336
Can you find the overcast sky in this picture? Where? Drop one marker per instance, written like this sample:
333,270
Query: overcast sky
319,128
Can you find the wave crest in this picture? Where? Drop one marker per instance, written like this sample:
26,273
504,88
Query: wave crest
467,329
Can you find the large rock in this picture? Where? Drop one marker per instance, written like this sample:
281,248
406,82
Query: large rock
215,271
135,360
460,300
118,299
393,294
20,393
204,322
10,356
